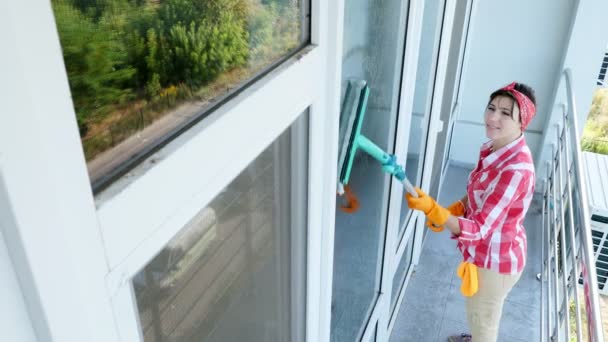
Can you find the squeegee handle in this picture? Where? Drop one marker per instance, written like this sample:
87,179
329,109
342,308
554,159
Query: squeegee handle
409,187
388,162
372,149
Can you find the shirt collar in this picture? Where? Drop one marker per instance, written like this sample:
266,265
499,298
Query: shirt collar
489,158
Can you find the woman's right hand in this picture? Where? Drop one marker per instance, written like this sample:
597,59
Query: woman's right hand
423,202
457,208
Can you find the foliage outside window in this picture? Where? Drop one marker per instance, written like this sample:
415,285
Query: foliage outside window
595,135
132,62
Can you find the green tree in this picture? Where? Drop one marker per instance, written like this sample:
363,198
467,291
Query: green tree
595,134
95,59
185,41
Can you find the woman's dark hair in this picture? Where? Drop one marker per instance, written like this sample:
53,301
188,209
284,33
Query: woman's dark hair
520,87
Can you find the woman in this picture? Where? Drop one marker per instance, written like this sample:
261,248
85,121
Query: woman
488,222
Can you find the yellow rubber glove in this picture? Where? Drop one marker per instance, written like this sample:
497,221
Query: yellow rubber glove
468,273
437,214
423,202
457,208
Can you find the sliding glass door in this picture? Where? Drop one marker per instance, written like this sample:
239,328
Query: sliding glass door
373,52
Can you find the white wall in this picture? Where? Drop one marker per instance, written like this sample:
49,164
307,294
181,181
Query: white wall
509,41
15,324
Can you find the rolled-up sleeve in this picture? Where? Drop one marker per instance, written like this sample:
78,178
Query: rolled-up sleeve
494,210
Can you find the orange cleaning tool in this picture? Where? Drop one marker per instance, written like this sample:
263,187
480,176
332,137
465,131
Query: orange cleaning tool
352,202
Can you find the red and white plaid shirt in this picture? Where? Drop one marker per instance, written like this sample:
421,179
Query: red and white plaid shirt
499,193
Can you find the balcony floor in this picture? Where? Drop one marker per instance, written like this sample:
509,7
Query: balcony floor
433,307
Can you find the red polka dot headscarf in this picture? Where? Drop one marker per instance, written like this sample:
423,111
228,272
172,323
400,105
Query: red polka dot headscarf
527,109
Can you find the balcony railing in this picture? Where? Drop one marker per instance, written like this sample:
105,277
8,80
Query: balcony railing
567,249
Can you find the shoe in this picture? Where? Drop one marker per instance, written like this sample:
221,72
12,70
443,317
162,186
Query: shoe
464,337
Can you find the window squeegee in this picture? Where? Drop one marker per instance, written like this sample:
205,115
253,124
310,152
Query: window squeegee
351,139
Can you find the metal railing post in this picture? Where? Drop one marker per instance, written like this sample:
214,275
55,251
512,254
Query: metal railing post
570,194
564,246
548,254
575,246
590,276
543,268
553,220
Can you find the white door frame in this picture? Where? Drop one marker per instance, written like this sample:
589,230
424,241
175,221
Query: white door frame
76,256
406,103
436,125
416,224
395,248
471,7
408,65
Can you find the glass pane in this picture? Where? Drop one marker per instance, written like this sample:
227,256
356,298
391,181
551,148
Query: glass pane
401,271
236,271
423,93
374,35
140,70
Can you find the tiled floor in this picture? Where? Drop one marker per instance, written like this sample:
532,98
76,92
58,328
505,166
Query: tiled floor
433,307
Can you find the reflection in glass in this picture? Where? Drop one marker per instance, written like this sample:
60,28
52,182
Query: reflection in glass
401,272
139,69
374,38
236,271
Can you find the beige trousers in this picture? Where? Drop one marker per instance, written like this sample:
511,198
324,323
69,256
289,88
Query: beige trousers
485,307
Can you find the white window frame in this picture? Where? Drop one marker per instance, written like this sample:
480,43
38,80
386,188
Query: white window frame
392,254
415,226
377,326
82,291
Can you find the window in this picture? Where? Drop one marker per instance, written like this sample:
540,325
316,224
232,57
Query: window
143,71
426,75
373,52
236,271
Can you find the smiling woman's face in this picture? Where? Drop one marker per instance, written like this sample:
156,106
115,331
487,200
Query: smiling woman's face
502,120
